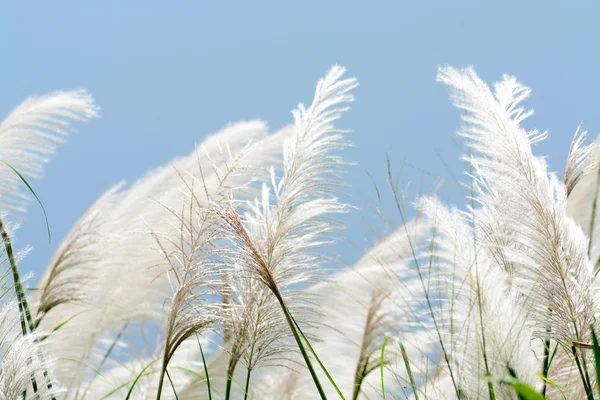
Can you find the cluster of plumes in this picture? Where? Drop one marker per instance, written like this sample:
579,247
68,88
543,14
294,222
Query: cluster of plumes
209,267
509,278
207,253
150,262
204,257
20,360
28,136
277,236
362,306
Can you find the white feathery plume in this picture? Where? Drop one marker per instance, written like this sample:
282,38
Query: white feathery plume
19,360
361,307
149,205
549,250
541,248
580,160
130,283
484,324
297,223
193,274
29,136
71,271
582,207
275,242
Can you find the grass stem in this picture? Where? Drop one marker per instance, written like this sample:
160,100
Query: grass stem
290,321
247,384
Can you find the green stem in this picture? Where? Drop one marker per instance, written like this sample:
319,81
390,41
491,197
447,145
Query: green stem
394,189
24,312
588,390
172,384
290,322
106,355
230,370
205,368
546,364
247,384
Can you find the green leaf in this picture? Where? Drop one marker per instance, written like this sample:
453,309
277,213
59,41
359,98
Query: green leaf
172,385
190,371
57,327
524,391
86,365
34,195
554,385
318,360
121,386
408,369
137,378
205,369
381,366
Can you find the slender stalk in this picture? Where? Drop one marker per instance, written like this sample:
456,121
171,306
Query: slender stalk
381,361
546,364
480,304
290,322
165,362
161,381
247,384
23,306
106,355
361,373
586,384
172,384
24,312
583,372
421,278
205,369
327,374
231,369
408,369
587,376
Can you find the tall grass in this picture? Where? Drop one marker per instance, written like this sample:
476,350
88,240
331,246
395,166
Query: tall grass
208,278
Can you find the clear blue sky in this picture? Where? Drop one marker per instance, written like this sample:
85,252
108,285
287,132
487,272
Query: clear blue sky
166,73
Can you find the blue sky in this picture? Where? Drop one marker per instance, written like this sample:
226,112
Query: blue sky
168,73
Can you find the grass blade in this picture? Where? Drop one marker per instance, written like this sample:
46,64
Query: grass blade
408,369
523,390
57,327
172,385
381,366
121,386
294,328
554,385
319,361
86,365
34,195
205,368
137,378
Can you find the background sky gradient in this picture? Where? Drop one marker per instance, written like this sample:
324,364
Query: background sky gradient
166,74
